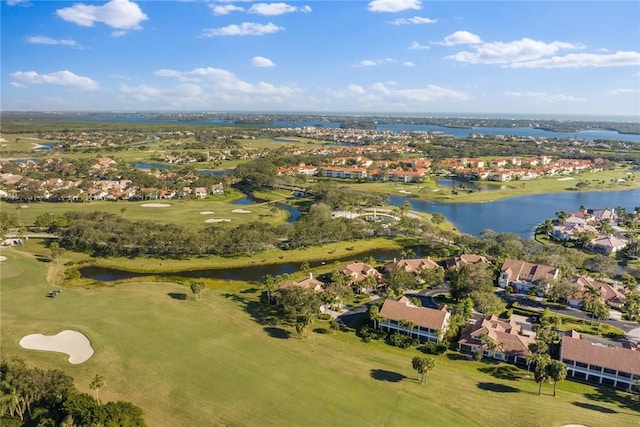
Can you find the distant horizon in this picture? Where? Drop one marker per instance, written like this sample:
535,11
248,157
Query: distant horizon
528,58
453,115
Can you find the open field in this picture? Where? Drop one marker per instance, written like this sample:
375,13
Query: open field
211,362
184,212
510,189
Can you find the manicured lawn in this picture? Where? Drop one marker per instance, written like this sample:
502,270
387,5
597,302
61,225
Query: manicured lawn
211,362
184,212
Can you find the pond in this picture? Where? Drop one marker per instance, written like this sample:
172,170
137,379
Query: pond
294,213
252,273
520,215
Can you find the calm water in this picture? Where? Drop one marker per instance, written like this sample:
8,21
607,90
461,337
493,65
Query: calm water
520,215
250,273
455,132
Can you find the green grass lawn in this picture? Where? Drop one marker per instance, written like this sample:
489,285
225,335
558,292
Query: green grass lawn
212,363
183,212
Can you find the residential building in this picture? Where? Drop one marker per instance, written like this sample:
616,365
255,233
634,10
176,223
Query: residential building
359,274
610,294
613,366
498,339
413,266
524,276
427,324
607,244
458,260
309,283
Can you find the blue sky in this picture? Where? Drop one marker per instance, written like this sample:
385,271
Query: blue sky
381,56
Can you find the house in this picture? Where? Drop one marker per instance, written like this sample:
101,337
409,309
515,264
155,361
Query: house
200,192
525,276
428,324
359,272
309,283
617,367
458,260
413,266
607,244
217,189
497,339
610,294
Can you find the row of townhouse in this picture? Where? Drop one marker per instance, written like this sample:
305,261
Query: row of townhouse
580,222
504,340
524,276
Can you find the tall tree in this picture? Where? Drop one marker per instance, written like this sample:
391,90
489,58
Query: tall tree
96,384
556,372
197,287
540,373
423,365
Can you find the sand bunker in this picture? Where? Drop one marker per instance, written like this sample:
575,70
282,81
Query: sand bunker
156,205
3,258
206,212
569,178
240,211
404,192
73,343
219,220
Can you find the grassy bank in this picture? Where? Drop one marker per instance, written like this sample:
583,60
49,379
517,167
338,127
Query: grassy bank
212,363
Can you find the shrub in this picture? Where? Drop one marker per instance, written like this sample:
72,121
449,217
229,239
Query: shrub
477,355
324,316
434,348
400,340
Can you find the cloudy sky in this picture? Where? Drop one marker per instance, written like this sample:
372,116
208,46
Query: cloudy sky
544,57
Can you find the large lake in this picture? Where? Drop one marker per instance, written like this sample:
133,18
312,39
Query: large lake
589,135
520,215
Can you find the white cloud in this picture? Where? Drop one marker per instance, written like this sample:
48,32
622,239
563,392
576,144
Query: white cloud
244,29
61,78
225,9
427,94
416,20
365,63
408,64
373,62
546,97
583,60
118,33
622,91
226,82
418,46
261,61
460,37
52,41
120,14
274,9
393,5
18,2
511,52
357,89
18,85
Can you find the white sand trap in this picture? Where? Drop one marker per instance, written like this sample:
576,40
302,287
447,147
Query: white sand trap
207,212
240,211
569,178
73,343
156,205
3,258
404,192
219,220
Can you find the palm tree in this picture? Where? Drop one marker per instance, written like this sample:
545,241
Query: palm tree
540,374
556,372
96,384
408,324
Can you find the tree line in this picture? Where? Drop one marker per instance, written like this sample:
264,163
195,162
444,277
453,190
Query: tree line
37,397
